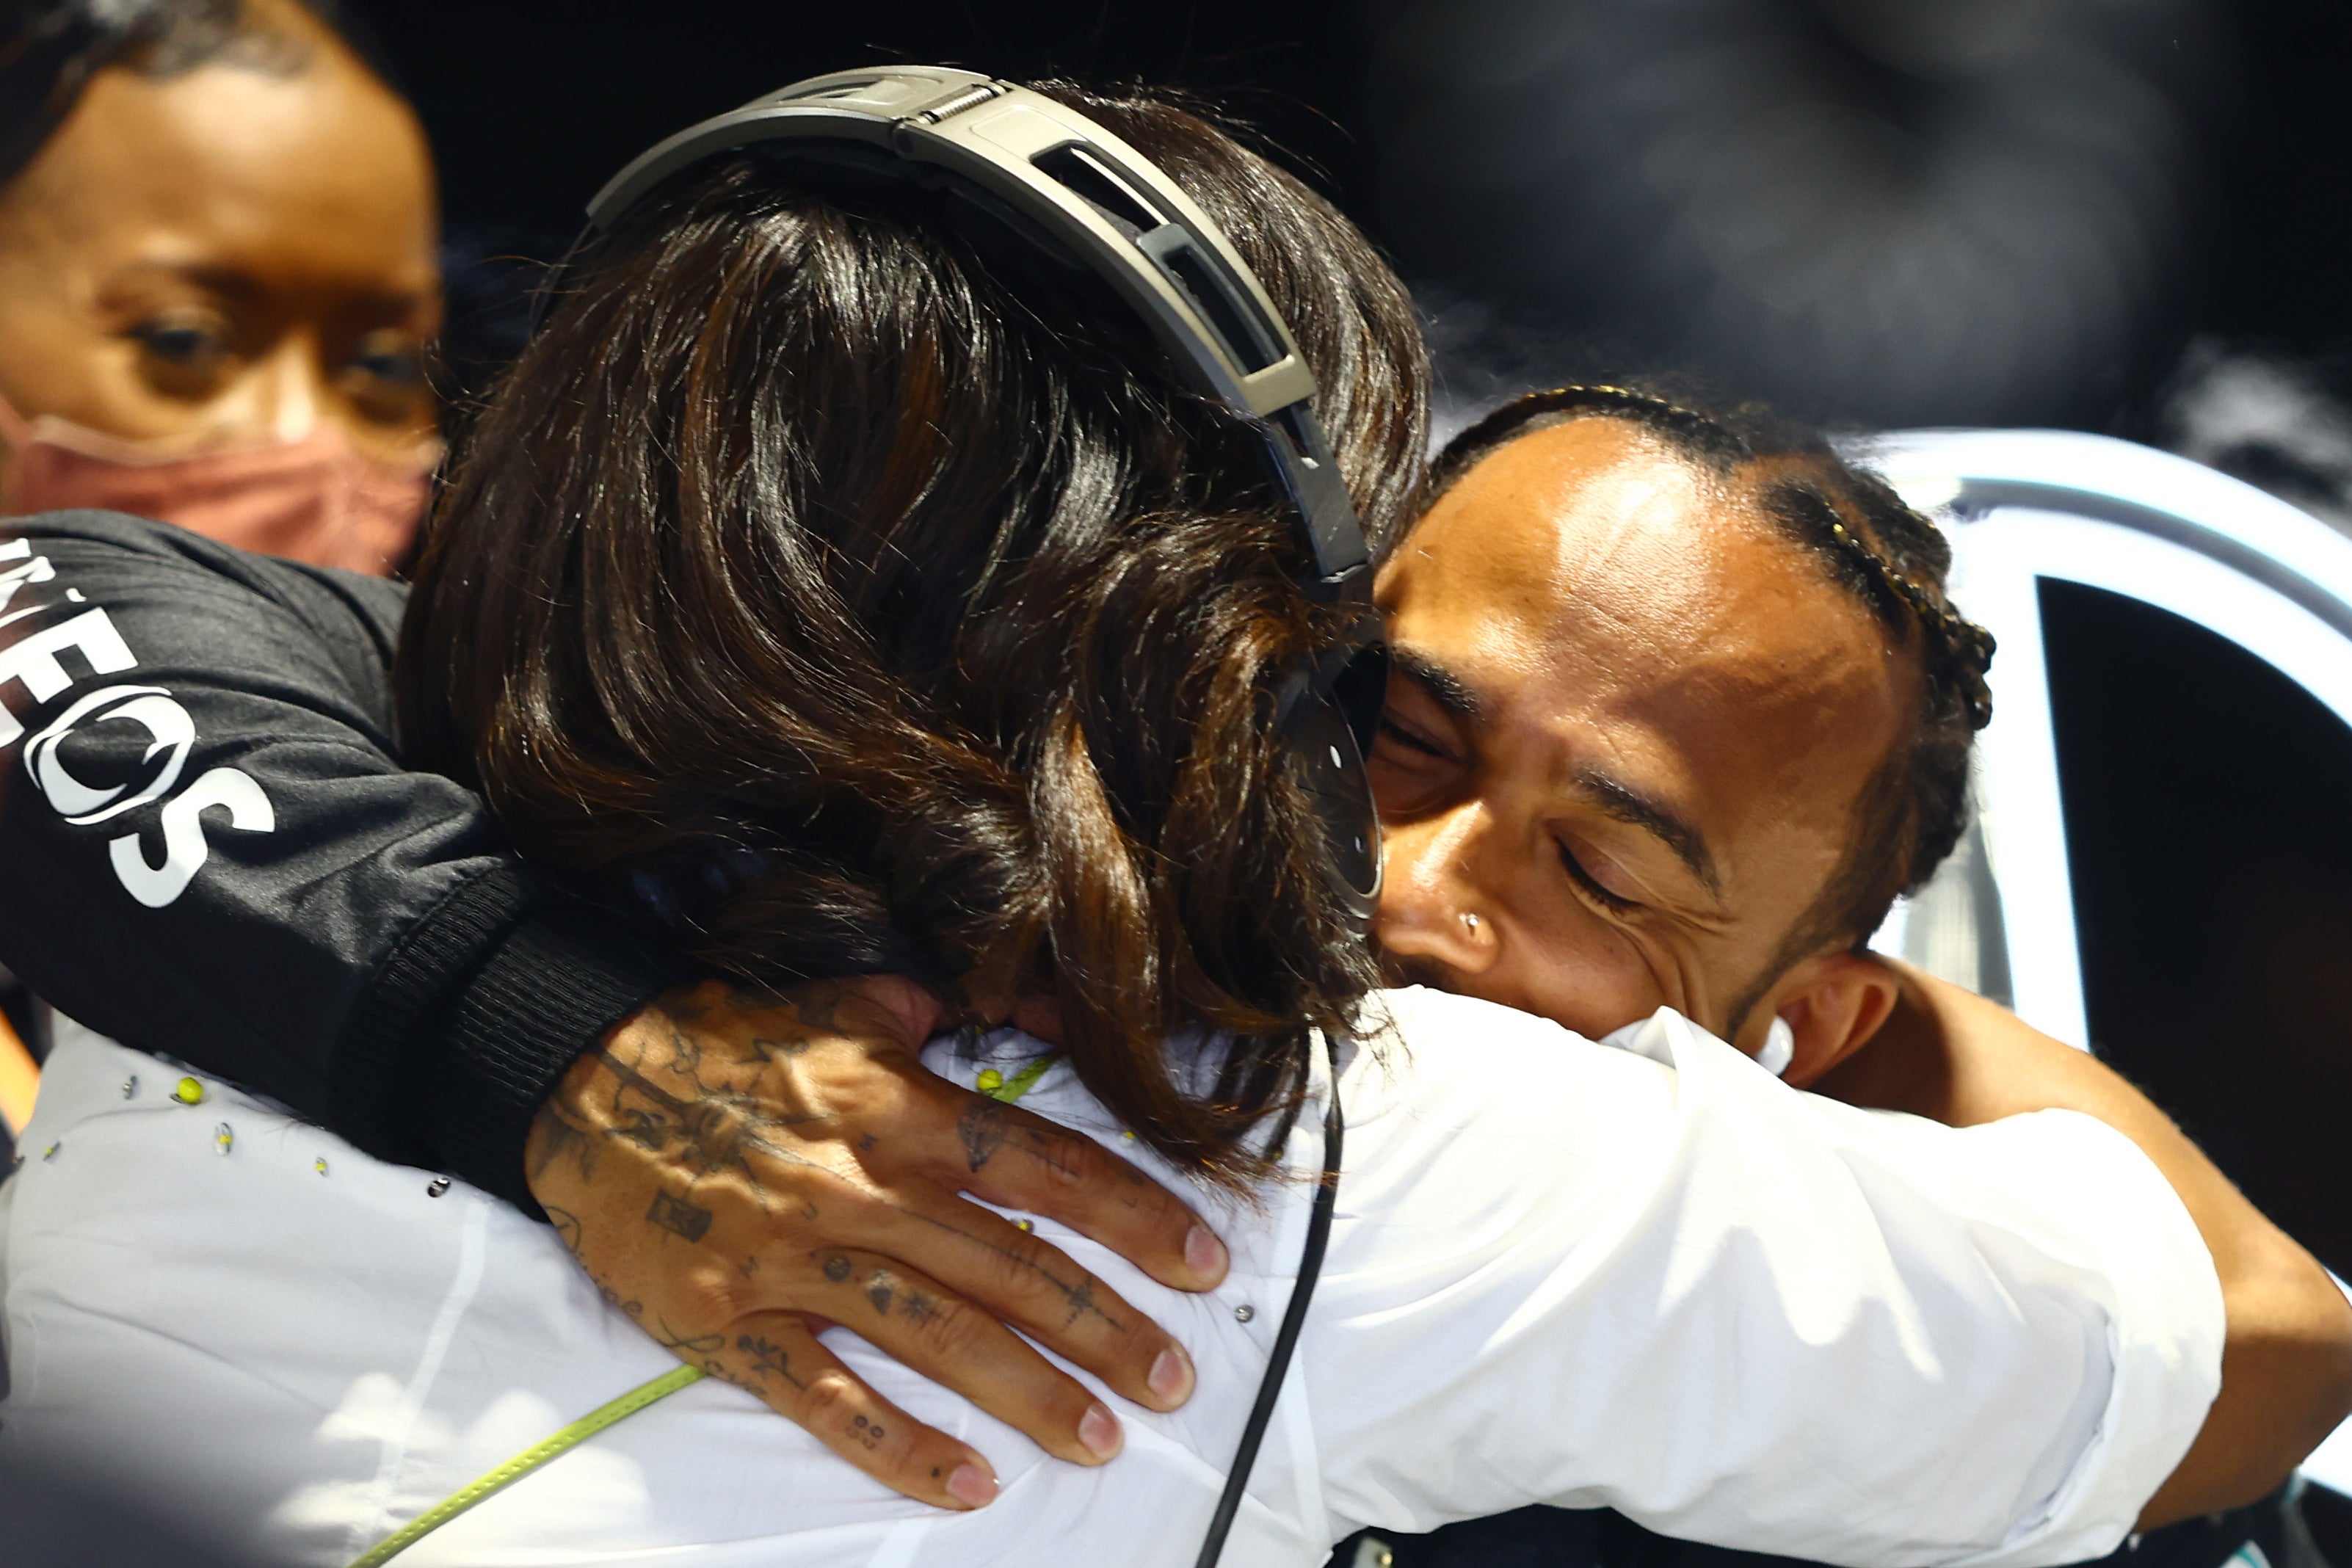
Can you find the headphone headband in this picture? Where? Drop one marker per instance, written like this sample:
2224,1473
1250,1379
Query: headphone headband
1106,204
1060,179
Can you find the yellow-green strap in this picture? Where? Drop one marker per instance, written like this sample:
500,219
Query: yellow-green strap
993,1084
996,1086
523,1464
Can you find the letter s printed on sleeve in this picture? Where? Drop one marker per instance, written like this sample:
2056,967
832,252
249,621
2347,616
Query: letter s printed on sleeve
185,850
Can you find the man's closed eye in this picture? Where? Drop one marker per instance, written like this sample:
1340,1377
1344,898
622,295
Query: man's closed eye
1574,862
1412,770
1405,736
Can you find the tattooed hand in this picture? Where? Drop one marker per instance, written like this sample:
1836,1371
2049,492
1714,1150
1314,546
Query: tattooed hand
739,1171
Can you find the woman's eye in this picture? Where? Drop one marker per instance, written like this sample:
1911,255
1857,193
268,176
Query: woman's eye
1582,875
395,359
183,342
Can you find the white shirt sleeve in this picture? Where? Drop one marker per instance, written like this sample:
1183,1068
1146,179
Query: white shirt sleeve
1653,1278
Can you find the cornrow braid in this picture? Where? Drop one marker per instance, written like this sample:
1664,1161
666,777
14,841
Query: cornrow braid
1875,547
1972,646
1959,646
1700,435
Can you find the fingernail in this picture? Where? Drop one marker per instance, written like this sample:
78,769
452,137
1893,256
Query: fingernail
971,1486
1099,1431
1205,1255
1171,1377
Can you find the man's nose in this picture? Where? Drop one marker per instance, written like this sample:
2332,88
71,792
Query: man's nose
1434,909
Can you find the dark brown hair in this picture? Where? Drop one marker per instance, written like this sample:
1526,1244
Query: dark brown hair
1876,548
868,603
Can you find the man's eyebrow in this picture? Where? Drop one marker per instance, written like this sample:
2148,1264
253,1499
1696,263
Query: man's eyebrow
1630,805
1445,688
1613,795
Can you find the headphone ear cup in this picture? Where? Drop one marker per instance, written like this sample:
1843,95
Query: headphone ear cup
1362,688
1331,769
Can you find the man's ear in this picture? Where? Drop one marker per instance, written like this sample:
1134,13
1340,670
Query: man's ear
1832,1005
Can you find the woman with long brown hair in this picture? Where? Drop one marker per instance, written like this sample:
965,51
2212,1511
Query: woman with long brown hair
853,594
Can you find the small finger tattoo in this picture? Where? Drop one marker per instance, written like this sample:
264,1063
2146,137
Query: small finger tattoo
766,1357
764,1049
983,1129
567,1228
679,1218
701,1344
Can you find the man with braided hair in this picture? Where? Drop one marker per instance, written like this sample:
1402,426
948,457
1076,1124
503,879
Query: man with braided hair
1680,708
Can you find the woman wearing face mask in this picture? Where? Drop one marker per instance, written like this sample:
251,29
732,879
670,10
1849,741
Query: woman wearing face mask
217,275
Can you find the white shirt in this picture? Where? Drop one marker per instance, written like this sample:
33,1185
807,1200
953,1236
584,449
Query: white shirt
1651,1277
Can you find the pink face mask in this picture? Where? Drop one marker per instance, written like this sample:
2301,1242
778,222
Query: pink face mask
316,499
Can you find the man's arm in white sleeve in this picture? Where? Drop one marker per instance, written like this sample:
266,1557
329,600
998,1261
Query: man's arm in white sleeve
2287,1364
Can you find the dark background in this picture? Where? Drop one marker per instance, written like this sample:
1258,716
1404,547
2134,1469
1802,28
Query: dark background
2130,216
2204,796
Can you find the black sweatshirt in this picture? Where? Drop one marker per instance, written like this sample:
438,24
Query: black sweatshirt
209,849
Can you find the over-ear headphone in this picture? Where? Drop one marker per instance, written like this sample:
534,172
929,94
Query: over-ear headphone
1059,182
